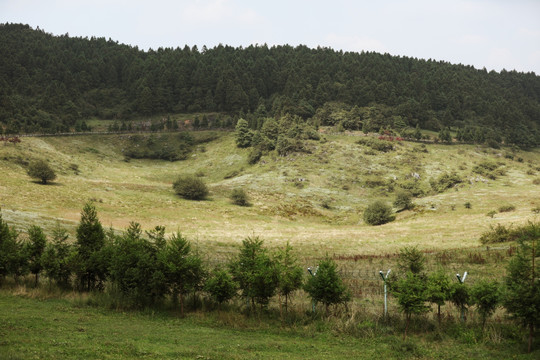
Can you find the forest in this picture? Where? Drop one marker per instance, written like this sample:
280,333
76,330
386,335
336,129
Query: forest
53,83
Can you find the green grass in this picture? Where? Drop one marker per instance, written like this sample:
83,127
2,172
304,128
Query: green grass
34,328
287,193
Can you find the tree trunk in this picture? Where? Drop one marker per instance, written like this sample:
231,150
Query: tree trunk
280,307
37,280
181,304
439,313
407,321
531,336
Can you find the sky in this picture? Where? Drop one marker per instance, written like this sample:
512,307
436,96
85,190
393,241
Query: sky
495,34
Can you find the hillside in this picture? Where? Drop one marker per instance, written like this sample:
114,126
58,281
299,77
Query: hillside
314,200
52,83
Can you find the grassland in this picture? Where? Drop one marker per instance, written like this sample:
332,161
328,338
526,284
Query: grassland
34,328
287,193
314,200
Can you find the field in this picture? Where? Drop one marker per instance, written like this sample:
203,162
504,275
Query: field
314,200
287,193
33,328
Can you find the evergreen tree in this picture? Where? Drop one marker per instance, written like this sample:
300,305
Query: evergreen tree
35,248
135,269
438,290
486,296
289,273
411,295
243,134
90,241
255,272
10,250
56,258
221,286
184,269
326,286
522,295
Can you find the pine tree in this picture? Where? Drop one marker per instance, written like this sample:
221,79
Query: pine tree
56,258
327,286
438,290
35,248
289,273
522,296
184,269
243,134
255,272
90,240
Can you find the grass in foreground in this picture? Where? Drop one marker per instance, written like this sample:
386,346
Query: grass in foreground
33,328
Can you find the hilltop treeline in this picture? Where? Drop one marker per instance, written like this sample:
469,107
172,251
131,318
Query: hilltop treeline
52,82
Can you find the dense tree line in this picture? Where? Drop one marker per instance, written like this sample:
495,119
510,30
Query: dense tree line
140,270
53,83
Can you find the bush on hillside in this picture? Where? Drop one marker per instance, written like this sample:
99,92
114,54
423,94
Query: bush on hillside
403,201
376,144
378,213
190,187
239,197
445,181
489,169
41,171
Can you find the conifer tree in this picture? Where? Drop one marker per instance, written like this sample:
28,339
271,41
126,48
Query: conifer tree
35,248
327,286
243,134
90,240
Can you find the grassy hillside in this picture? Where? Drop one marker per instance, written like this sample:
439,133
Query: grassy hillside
314,200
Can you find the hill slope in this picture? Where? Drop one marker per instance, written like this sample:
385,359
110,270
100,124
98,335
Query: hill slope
315,200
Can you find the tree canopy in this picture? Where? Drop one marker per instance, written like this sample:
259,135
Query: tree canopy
52,83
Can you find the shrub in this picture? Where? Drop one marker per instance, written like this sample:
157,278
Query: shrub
497,234
536,181
190,187
376,144
507,208
254,155
239,197
468,205
403,201
491,213
445,181
489,169
40,170
378,213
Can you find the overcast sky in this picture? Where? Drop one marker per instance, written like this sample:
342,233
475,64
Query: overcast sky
495,34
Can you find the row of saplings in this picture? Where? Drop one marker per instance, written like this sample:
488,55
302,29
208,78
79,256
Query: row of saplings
141,270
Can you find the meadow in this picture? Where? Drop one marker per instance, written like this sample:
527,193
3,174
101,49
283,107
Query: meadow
314,200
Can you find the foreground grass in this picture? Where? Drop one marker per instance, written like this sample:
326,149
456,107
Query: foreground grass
65,329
